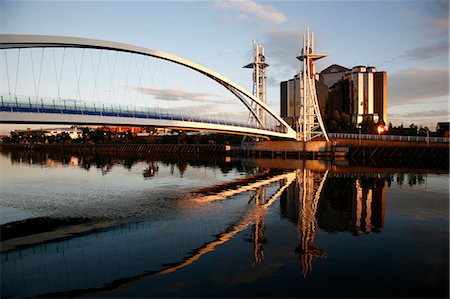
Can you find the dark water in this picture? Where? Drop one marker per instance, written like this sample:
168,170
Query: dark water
111,226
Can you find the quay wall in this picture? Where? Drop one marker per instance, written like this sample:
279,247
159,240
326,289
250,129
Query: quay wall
123,148
336,149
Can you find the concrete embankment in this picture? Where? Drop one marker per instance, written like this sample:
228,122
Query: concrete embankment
344,148
123,148
337,149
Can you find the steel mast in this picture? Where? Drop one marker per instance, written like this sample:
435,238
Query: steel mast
259,81
310,124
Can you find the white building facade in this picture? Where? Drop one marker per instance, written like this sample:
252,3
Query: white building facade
363,93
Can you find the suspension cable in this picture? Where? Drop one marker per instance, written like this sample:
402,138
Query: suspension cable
17,75
78,72
126,78
139,78
96,71
111,72
40,74
7,75
59,78
34,75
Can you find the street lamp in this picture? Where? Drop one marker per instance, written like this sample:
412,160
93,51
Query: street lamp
359,134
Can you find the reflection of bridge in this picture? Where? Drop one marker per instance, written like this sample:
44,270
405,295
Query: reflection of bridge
252,216
100,109
303,187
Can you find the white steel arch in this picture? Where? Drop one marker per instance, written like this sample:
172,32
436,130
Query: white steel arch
38,41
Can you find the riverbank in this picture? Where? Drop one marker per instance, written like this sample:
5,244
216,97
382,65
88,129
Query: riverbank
122,148
339,149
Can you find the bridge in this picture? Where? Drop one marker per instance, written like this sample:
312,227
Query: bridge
28,96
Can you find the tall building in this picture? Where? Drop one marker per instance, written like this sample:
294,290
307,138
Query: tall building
290,99
360,92
333,74
380,96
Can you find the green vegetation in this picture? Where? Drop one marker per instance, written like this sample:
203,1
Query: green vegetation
107,136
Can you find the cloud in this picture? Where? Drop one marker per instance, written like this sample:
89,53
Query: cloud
439,27
422,114
427,52
179,95
416,84
247,9
282,47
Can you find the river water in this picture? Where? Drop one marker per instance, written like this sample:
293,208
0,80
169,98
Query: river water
130,226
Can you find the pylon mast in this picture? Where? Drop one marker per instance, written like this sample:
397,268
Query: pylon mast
310,120
259,80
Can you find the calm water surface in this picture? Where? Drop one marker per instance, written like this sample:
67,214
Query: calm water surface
105,226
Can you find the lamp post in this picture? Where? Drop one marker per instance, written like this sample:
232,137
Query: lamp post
359,134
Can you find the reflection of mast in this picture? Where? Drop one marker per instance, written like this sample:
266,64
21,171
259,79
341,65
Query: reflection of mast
258,238
311,185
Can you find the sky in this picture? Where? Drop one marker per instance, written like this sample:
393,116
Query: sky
407,39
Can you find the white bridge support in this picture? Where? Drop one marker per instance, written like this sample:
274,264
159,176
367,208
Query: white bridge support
259,81
249,100
310,120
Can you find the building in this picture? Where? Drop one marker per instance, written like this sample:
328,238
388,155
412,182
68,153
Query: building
73,132
368,94
380,96
360,92
442,129
290,99
333,74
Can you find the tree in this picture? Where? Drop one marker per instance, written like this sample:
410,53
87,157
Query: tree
339,122
368,126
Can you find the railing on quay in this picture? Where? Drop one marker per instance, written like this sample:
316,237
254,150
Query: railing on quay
389,137
25,104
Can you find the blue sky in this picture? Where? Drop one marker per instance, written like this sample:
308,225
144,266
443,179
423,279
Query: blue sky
407,39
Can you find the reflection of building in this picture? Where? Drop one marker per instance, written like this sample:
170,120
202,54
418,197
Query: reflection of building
333,205
355,205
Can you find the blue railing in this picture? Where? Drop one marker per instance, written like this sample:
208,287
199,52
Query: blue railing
24,104
388,137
